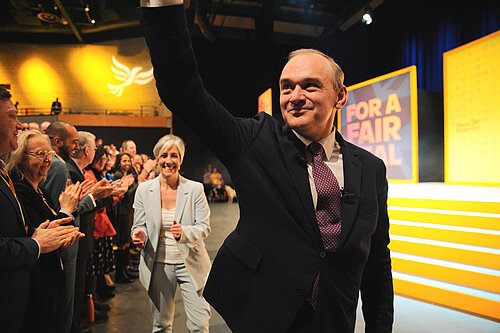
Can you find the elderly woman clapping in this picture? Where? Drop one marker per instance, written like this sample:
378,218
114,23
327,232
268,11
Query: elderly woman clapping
28,165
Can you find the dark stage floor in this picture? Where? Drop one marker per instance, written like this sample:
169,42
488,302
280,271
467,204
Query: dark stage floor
131,313
130,309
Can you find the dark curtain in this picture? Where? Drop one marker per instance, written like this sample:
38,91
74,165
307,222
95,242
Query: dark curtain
437,27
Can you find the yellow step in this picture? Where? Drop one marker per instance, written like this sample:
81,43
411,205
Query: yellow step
461,237
468,303
453,275
483,259
466,206
482,222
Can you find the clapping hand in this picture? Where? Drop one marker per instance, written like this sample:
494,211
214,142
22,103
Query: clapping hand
86,188
52,235
102,189
70,197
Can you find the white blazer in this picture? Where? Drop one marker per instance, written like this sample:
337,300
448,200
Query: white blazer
191,211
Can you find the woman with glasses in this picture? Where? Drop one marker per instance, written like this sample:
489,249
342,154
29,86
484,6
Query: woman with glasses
28,165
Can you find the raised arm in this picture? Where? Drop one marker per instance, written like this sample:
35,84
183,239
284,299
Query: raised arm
181,88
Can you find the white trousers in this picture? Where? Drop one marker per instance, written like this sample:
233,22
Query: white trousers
163,286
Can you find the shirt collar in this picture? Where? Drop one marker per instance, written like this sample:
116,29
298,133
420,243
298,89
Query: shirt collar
77,165
328,142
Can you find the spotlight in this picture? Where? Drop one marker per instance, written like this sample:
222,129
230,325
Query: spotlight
92,21
87,8
367,17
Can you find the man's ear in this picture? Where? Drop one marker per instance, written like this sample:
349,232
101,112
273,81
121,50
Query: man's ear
58,142
342,96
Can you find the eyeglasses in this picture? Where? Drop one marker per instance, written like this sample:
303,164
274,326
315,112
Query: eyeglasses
42,154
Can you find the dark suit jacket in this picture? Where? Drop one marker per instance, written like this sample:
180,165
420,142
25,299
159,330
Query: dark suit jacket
265,269
18,254
47,275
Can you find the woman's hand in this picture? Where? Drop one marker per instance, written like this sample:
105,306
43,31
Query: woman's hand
70,197
176,230
127,180
139,238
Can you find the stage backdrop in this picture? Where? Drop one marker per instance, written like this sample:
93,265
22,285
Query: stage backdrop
471,117
112,77
381,116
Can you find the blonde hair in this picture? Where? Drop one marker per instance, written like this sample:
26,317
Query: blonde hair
165,142
338,74
16,156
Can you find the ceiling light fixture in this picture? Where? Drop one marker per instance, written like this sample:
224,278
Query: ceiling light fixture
367,17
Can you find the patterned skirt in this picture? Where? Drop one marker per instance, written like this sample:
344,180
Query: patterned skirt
102,260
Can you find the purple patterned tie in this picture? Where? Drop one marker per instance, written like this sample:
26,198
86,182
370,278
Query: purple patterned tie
328,207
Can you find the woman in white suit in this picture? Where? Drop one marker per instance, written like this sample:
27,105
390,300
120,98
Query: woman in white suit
171,220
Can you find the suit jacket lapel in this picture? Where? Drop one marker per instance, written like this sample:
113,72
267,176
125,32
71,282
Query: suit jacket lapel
154,203
8,193
294,154
352,188
182,194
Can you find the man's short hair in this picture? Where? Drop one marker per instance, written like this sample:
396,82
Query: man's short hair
57,128
84,140
338,74
125,144
4,93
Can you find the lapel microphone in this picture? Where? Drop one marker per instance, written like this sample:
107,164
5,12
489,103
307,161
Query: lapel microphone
347,197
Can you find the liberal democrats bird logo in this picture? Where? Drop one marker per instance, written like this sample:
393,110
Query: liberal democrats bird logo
123,73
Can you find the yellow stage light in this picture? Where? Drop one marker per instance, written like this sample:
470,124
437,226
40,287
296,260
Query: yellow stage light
40,82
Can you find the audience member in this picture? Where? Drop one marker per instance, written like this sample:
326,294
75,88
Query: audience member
64,141
43,126
28,165
125,217
20,243
34,126
101,260
80,159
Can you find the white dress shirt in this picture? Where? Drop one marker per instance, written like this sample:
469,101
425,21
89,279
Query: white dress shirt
331,156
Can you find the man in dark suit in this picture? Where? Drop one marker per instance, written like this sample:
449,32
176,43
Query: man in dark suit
313,228
20,244
65,142
76,165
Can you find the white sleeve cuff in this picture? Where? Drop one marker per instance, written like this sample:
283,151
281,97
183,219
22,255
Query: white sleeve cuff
67,213
38,244
160,3
93,200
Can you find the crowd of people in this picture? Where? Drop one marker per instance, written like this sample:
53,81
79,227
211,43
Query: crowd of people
313,232
58,172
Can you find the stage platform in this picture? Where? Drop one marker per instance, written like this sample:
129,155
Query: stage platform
445,245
